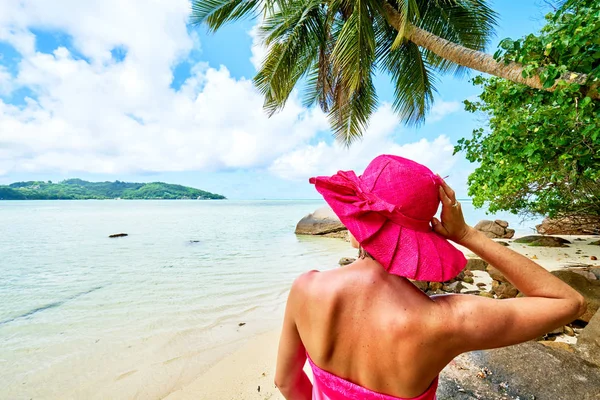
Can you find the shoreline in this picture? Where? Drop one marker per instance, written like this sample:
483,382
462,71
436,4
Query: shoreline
239,374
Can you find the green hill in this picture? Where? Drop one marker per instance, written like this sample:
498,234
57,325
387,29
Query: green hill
77,189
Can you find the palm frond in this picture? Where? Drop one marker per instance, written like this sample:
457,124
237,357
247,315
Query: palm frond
354,51
414,83
409,10
294,35
321,77
324,77
349,115
354,98
337,45
216,13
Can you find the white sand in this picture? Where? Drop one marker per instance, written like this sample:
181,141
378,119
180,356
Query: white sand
239,375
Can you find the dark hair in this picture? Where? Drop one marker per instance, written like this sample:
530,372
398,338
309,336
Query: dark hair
362,253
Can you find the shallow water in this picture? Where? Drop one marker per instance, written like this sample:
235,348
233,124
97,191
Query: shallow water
85,316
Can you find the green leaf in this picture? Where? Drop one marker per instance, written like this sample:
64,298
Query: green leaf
216,13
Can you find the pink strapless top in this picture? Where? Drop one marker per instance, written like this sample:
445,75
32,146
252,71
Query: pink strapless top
327,386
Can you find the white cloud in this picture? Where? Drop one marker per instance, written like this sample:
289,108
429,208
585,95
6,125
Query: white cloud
106,116
441,109
110,120
102,115
150,30
6,83
258,49
326,159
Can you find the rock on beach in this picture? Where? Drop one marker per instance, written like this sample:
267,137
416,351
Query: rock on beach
525,371
346,261
573,225
543,241
497,229
476,264
322,222
589,289
116,235
588,343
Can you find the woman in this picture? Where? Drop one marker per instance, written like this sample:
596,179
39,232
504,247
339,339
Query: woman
367,331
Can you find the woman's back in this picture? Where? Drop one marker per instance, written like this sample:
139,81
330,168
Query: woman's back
371,328
366,325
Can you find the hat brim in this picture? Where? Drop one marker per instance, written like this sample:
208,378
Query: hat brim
418,255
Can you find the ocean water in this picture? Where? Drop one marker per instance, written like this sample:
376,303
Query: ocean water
85,316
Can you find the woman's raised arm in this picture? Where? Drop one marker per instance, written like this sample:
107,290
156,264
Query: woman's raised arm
483,323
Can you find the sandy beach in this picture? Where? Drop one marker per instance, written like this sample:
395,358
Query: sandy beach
248,372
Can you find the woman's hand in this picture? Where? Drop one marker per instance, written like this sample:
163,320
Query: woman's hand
453,224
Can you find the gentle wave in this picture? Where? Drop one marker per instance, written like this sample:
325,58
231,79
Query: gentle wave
49,306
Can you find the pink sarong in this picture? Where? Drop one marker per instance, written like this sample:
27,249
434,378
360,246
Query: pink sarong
327,386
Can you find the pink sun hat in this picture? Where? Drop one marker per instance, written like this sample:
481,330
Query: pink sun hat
388,210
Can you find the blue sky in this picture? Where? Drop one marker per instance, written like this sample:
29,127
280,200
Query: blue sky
139,95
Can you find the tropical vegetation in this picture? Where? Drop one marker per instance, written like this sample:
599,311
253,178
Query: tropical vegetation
77,189
337,46
538,151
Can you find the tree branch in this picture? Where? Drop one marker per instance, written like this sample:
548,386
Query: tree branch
484,62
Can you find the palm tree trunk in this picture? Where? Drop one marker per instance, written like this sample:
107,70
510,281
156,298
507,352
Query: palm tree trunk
480,61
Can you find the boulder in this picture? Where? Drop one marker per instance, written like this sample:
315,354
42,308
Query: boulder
495,229
346,261
525,371
496,274
476,264
586,274
569,331
490,228
590,290
321,222
504,290
558,345
588,343
454,287
573,225
422,285
543,241
502,223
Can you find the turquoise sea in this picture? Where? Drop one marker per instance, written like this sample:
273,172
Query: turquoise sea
86,316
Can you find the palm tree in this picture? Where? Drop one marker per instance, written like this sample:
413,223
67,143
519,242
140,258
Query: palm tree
338,45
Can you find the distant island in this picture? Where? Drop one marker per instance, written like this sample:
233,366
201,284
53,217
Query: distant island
77,189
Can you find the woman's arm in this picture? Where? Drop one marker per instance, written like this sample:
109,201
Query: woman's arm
291,357
487,323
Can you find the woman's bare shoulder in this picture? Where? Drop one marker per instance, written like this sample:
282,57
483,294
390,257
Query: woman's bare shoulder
304,282
315,283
